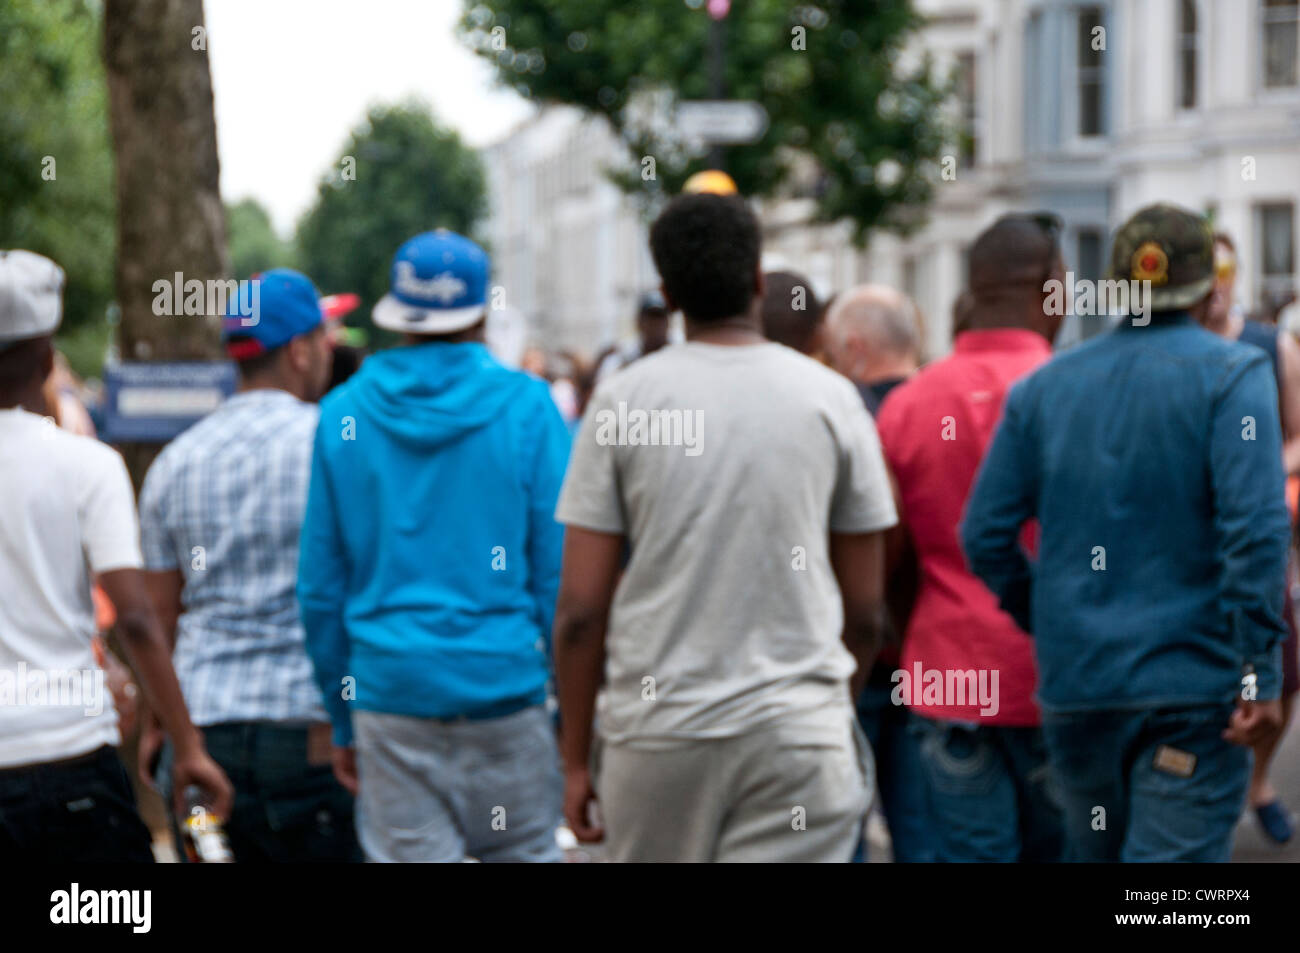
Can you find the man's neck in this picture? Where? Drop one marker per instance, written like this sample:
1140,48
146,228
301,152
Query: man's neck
736,331
1227,325
31,400
881,371
249,387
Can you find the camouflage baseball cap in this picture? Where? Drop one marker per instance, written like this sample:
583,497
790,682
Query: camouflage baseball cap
1172,248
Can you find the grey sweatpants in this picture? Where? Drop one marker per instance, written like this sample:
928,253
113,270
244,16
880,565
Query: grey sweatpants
434,791
772,795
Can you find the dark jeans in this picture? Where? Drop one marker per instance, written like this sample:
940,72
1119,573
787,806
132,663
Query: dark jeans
1125,800
78,810
900,775
992,792
286,809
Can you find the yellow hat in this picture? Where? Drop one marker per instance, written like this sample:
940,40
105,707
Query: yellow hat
710,180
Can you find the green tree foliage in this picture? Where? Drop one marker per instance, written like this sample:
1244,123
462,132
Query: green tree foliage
829,75
399,174
254,245
53,104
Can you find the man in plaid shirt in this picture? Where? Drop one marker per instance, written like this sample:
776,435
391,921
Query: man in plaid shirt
220,513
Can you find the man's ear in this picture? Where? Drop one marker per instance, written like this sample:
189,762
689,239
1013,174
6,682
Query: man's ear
760,283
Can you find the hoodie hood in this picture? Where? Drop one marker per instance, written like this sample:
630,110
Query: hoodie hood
427,395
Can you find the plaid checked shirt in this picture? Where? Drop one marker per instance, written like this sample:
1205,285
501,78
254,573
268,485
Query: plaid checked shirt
224,504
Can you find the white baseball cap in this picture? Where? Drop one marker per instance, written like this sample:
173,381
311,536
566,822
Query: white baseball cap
31,296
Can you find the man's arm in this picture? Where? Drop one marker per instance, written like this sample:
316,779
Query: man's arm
1288,355
858,560
1003,498
902,573
545,533
590,574
150,656
322,583
164,590
1250,514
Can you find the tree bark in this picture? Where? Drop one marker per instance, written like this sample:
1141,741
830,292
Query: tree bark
169,213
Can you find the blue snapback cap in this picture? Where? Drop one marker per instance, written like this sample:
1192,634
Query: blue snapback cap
438,285
270,310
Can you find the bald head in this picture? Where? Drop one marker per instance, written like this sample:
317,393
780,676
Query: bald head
873,333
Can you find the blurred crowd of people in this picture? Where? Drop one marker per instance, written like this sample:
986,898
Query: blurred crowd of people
697,598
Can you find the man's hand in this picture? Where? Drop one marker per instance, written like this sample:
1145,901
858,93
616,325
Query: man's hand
197,767
344,761
579,797
1253,722
151,742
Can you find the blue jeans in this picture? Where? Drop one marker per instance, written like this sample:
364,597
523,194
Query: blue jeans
1128,800
904,791
992,792
287,810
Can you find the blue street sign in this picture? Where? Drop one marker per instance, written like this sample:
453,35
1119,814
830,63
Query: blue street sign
153,402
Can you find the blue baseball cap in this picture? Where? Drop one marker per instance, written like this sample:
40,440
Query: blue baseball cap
438,285
270,310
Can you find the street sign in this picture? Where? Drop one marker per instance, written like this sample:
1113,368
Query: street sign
153,402
721,121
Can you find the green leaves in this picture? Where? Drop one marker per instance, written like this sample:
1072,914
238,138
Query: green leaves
53,104
821,70
406,175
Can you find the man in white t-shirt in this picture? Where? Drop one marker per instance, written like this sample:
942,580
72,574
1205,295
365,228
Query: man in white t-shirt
67,514
750,489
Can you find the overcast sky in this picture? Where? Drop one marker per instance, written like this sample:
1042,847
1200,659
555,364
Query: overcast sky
292,77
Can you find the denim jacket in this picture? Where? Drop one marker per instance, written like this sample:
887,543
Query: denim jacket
1152,459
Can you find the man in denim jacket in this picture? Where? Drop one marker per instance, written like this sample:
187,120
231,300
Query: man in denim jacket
1151,458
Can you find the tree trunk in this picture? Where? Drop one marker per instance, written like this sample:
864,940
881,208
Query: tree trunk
169,213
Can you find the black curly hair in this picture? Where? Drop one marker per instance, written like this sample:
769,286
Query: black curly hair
706,248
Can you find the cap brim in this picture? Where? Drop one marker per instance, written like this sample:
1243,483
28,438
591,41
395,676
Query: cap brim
1176,299
394,315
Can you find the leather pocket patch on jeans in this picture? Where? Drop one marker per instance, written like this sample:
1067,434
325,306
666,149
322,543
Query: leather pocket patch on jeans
1173,761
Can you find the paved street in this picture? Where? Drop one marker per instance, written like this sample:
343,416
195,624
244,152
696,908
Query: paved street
1251,843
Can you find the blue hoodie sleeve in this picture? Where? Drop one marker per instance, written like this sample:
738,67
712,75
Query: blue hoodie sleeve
322,576
545,535
1002,499
1250,513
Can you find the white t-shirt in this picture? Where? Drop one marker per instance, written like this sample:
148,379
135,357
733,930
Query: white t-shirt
728,615
66,511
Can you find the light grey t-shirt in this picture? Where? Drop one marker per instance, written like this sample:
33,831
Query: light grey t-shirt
726,468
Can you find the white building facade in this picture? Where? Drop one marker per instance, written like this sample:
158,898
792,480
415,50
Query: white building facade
1087,108
568,246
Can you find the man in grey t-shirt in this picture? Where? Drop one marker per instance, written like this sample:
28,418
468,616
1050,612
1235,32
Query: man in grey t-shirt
749,485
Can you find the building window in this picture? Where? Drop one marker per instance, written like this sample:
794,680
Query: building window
910,282
1275,228
969,115
1088,264
1032,82
1280,22
1187,54
1091,72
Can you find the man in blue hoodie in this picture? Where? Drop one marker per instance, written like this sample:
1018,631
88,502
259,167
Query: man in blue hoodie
428,576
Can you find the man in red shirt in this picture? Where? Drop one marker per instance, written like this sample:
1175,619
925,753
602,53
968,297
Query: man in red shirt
966,668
